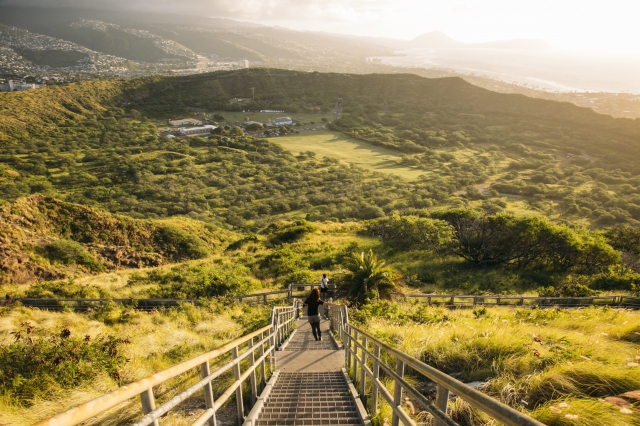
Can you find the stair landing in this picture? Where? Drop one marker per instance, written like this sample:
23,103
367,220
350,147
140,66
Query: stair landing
303,354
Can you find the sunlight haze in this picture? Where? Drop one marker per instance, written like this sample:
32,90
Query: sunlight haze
566,24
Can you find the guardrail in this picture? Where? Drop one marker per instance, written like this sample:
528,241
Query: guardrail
364,361
301,290
263,341
531,301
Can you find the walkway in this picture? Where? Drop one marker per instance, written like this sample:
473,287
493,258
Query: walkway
311,387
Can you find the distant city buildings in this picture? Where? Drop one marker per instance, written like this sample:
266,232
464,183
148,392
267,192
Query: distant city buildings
203,63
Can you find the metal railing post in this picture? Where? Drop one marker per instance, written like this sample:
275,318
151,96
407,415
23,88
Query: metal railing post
354,353
236,375
262,363
376,375
252,363
148,403
272,349
442,400
346,343
363,376
208,391
397,392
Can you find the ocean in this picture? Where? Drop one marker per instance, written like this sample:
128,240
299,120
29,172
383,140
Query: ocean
551,70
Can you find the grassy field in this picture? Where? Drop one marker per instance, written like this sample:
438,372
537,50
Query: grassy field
563,367
349,150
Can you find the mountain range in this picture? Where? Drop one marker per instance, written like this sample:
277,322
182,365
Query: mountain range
147,36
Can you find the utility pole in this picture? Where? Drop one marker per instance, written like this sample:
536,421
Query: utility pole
253,95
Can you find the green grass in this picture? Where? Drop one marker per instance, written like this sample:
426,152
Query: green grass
349,150
582,356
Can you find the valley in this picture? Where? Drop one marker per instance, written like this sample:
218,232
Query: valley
459,189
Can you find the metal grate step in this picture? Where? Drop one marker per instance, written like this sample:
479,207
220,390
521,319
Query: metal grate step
309,399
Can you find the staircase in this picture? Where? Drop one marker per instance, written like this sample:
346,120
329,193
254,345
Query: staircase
310,399
310,386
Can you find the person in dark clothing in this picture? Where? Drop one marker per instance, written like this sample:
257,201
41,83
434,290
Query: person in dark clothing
313,302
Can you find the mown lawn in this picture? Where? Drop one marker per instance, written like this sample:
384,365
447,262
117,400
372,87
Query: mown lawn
349,150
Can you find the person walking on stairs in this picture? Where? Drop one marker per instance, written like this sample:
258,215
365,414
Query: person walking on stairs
324,285
312,303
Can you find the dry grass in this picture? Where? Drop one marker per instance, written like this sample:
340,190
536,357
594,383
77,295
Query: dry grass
158,340
582,357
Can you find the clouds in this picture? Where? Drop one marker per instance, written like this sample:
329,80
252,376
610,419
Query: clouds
317,10
587,24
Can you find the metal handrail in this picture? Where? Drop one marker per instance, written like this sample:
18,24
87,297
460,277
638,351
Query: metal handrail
431,299
273,335
498,300
358,357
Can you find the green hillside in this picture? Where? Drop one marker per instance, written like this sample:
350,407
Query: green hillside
115,42
53,58
479,148
488,194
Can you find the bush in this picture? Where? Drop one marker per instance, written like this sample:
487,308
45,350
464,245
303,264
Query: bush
572,289
69,252
615,282
200,281
35,361
179,244
290,233
65,289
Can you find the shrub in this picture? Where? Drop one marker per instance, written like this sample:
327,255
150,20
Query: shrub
200,281
36,360
69,252
292,232
573,289
65,289
179,244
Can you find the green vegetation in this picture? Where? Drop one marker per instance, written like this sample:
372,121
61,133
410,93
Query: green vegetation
547,363
461,190
351,151
52,361
53,58
368,278
114,41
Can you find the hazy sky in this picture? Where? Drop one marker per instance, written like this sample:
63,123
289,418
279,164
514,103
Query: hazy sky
603,25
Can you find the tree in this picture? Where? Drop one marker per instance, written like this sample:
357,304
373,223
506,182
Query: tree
369,277
255,127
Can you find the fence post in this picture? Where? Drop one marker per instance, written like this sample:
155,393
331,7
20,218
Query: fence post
236,375
442,400
363,375
263,372
376,375
208,392
148,403
354,353
252,363
346,343
397,392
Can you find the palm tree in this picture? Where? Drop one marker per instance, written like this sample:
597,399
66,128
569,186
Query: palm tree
369,277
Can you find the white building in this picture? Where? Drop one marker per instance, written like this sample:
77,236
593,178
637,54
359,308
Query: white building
281,121
185,122
245,64
196,131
